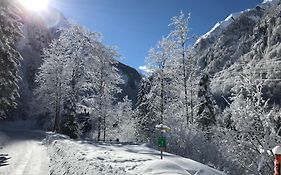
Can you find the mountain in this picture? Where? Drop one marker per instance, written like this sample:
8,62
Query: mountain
132,80
39,29
250,38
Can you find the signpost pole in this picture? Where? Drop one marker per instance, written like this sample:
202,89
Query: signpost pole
161,149
162,140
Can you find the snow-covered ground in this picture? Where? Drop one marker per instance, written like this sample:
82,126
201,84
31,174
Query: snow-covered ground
22,153
86,158
28,152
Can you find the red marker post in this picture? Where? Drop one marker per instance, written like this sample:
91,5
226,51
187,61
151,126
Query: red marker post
277,162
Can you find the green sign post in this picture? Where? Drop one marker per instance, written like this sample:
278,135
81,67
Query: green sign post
162,145
162,140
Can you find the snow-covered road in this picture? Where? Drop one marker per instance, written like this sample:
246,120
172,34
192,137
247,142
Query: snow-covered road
22,153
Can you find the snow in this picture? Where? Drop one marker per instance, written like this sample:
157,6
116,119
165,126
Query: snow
223,24
145,69
275,2
163,167
90,158
163,127
22,153
220,26
267,4
276,150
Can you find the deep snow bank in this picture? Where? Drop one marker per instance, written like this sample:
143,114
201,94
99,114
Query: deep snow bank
86,158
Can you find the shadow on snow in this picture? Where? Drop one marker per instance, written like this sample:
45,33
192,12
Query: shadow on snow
4,159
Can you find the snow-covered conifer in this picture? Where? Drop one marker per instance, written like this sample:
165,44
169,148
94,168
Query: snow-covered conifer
206,117
146,116
9,56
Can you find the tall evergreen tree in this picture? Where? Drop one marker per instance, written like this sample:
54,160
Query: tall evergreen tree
9,57
206,112
146,117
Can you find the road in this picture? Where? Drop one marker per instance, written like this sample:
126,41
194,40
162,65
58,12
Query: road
22,153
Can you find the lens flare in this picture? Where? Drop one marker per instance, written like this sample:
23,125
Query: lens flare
35,5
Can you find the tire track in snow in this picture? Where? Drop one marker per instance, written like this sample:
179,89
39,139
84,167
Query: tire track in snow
27,155
22,161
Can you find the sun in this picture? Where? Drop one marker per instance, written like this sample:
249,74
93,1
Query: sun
35,5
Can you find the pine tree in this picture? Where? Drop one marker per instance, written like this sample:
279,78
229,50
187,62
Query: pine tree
146,117
9,57
206,113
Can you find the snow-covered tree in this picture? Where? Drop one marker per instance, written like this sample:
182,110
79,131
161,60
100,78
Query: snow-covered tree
182,62
123,124
52,86
251,134
160,62
77,66
206,111
146,117
76,41
9,57
105,78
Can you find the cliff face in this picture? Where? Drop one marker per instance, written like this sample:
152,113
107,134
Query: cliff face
132,81
249,41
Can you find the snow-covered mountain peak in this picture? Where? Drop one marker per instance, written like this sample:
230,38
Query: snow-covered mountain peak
271,1
222,25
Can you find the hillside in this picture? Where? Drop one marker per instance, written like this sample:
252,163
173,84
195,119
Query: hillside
248,37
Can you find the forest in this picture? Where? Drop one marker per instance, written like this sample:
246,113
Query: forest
220,96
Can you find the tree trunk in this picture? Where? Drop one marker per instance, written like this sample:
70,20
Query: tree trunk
101,112
56,117
57,109
104,126
162,96
191,105
99,128
185,83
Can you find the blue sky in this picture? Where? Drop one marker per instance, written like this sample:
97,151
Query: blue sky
136,25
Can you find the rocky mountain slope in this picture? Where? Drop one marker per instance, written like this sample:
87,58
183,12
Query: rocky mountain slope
246,41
